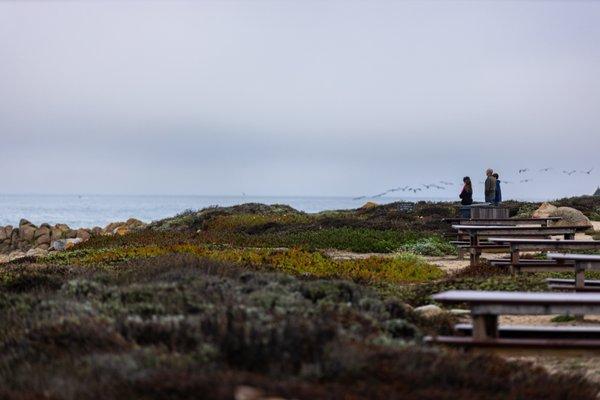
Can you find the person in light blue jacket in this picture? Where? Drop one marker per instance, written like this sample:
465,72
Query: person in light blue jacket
498,197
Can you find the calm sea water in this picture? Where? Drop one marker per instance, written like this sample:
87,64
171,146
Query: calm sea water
99,210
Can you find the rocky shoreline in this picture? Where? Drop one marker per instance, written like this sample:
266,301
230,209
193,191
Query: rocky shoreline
29,240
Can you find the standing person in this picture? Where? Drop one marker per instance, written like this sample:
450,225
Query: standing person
466,196
498,198
490,186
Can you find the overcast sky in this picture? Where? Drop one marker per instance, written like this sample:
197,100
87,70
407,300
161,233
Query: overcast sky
297,97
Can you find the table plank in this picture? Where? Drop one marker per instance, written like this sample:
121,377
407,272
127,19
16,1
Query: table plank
524,298
574,257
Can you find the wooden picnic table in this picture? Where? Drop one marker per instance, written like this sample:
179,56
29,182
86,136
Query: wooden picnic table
478,232
518,245
503,221
581,263
487,306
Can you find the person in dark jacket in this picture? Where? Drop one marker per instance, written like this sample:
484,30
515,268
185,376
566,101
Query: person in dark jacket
490,186
498,196
466,196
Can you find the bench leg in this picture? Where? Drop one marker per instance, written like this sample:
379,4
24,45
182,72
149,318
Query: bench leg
485,327
579,279
475,253
514,260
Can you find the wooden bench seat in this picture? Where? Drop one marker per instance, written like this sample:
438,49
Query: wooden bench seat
536,331
502,221
477,233
533,265
558,281
487,306
468,343
521,245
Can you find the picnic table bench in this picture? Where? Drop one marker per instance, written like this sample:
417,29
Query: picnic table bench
478,232
581,263
518,245
502,221
487,306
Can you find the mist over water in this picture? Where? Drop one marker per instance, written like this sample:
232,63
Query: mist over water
87,211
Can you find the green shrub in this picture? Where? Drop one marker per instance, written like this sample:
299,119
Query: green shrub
431,246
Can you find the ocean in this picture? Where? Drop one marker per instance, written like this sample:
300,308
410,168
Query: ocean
99,210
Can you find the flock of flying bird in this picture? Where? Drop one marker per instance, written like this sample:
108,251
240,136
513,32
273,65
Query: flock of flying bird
442,185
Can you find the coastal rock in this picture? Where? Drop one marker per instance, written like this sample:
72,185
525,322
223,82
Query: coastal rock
56,233
123,228
36,252
83,234
65,244
570,217
24,222
15,255
428,311
544,211
110,228
62,227
26,232
43,230
368,205
44,239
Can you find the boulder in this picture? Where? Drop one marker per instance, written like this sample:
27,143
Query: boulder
96,231
428,311
544,211
36,252
83,234
4,258
121,230
24,222
56,233
62,227
44,246
15,255
110,228
65,244
3,234
570,217
44,239
368,205
42,231
133,223
14,237
71,234
26,232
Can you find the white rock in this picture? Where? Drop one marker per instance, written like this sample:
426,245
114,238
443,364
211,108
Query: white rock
430,310
544,211
64,244
15,255
36,252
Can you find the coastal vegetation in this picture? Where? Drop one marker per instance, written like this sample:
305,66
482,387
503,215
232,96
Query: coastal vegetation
258,301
